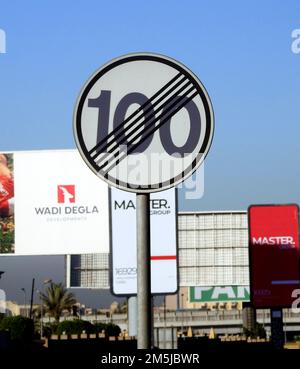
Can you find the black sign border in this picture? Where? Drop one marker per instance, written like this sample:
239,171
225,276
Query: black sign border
207,138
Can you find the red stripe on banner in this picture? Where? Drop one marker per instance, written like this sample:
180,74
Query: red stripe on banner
164,257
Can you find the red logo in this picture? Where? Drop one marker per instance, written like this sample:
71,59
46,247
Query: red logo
65,194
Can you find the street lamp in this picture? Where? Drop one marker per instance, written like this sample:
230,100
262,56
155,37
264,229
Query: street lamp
182,295
24,291
46,281
41,318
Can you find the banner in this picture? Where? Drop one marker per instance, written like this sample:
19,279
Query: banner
51,204
7,219
274,254
164,277
219,294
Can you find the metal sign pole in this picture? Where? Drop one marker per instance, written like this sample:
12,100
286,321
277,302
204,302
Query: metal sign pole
160,94
143,270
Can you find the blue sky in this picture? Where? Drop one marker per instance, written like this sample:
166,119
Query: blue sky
241,51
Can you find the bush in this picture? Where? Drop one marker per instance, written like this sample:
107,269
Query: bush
78,326
19,327
109,329
258,331
49,329
99,327
112,330
75,327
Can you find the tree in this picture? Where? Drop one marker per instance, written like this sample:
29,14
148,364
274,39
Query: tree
56,299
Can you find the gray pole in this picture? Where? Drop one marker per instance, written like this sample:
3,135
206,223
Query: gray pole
25,309
182,314
165,323
132,316
31,299
143,270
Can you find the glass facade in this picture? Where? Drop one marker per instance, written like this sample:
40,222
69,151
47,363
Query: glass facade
212,250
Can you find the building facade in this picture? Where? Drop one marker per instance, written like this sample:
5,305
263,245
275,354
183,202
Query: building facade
212,251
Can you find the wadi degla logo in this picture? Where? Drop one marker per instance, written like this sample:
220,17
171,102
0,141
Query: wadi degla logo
66,194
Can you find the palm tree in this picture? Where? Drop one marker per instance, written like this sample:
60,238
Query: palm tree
124,307
56,299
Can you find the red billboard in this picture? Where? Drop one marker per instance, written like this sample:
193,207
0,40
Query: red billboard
274,254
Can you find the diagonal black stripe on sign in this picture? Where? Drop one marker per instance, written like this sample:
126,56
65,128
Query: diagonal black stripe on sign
169,108
169,105
116,142
163,121
172,111
141,108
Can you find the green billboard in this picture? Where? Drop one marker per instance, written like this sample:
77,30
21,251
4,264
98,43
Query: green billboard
219,294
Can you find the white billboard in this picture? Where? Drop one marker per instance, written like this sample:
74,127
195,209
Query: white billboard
51,204
164,271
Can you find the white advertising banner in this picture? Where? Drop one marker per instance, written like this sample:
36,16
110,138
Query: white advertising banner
164,271
60,206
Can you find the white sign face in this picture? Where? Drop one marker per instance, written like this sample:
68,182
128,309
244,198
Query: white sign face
60,207
164,278
143,123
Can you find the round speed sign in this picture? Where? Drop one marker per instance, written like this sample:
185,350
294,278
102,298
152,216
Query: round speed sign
143,122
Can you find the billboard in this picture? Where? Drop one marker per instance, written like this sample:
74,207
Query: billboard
219,294
274,254
164,271
7,219
51,204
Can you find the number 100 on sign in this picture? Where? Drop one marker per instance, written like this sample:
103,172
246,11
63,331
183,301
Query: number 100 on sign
143,122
